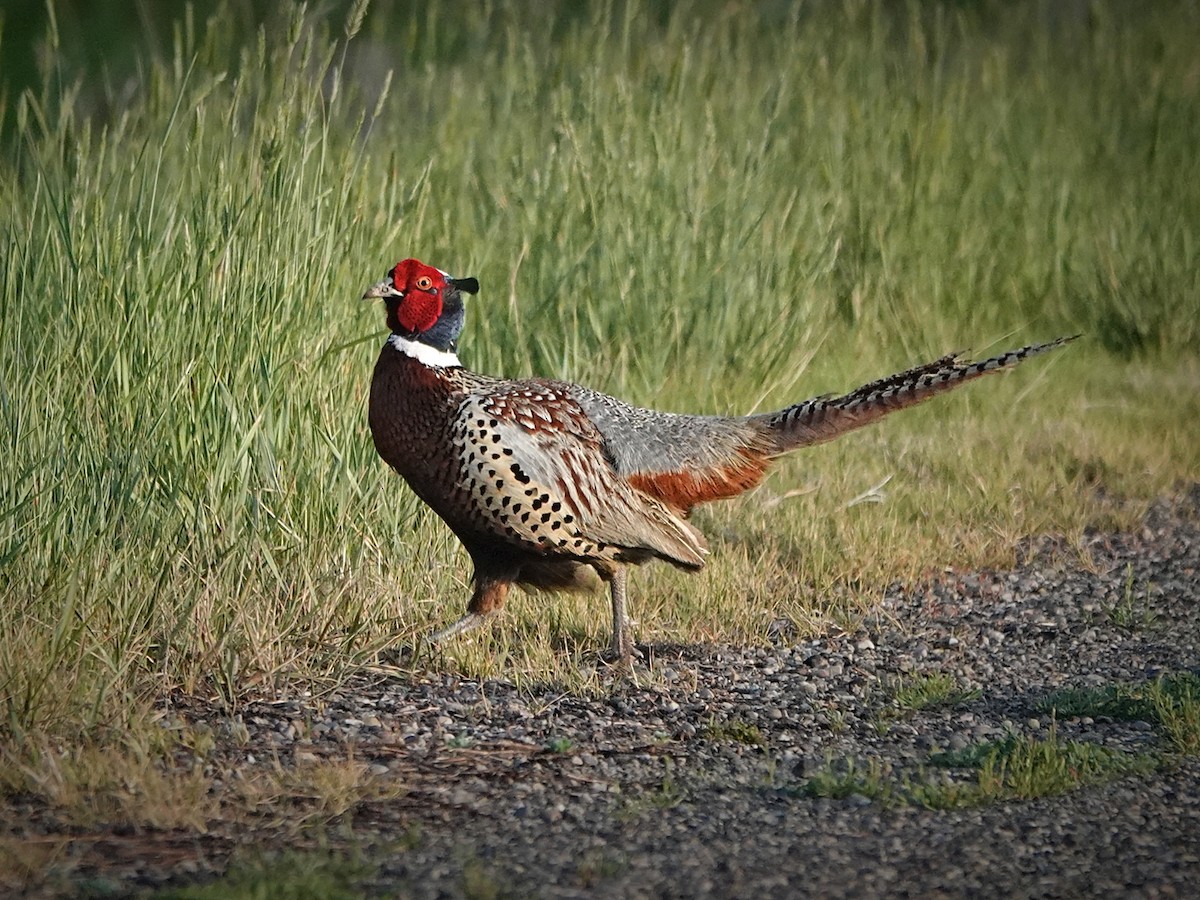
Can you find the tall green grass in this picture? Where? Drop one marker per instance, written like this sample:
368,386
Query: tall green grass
712,207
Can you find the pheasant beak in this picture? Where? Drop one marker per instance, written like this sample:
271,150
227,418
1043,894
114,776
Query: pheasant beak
382,291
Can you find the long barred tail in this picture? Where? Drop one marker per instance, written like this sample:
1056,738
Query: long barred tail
824,418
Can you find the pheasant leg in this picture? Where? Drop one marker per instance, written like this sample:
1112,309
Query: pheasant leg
622,641
469,622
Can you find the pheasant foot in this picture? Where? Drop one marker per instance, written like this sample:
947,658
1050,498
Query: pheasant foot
469,622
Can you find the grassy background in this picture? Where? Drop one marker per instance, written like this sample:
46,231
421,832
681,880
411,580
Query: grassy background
708,207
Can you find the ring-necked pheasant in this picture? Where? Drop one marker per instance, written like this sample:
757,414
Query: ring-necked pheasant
548,484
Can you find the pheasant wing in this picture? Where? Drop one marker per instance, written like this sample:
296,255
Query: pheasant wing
537,470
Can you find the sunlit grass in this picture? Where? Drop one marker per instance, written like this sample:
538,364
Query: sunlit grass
695,210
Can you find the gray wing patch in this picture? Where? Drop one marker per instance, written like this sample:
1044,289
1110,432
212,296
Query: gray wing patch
643,440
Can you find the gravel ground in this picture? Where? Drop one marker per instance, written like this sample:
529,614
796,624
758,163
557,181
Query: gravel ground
691,783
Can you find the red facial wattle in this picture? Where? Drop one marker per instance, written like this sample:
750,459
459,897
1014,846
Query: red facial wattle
419,311
422,288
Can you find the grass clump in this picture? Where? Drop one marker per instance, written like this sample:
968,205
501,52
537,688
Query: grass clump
837,781
1171,702
1015,768
735,731
127,786
667,793
123,786
1022,767
285,876
598,866
929,691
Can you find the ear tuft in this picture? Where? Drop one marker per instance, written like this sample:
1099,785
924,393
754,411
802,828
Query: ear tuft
466,285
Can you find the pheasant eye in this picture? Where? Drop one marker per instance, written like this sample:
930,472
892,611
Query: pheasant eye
424,283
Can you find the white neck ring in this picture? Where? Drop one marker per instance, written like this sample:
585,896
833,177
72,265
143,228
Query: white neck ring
423,353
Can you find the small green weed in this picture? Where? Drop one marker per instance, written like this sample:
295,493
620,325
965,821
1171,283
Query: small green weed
1113,701
669,793
736,731
836,720
598,866
838,781
931,690
479,881
1130,613
883,784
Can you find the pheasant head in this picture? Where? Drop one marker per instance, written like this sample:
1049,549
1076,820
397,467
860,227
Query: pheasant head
424,304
